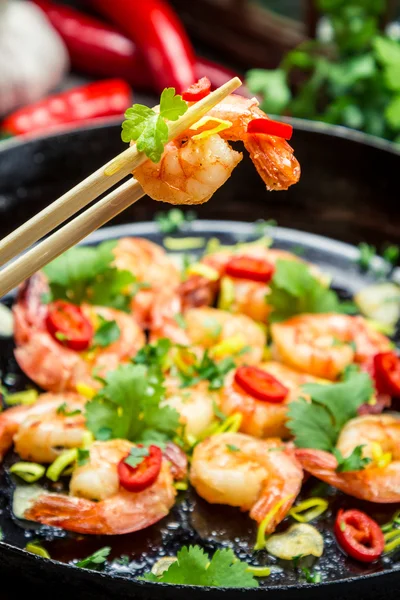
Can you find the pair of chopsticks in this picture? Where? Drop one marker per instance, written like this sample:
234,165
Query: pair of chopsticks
80,196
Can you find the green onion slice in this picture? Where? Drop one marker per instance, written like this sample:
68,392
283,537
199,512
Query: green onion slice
309,509
61,463
29,472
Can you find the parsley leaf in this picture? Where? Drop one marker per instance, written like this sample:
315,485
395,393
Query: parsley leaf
148,128
83,456
171,221
294,290
136,456
94,560
317,424
63,410
86,274
128,407
353,462
207,369
107,333
194,567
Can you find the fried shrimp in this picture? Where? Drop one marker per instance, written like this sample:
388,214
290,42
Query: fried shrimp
55,367
191,169
260,418
254,475
380,480
38,431
97,504
324,344
218,331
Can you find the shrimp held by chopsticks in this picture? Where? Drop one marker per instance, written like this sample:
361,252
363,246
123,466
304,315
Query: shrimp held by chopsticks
192,168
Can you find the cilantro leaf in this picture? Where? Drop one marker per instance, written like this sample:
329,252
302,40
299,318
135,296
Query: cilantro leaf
171,221
193,567
294,290
87,274
154,355
317,424
148,128
311,577
353,462
391,254
63,410
207,369
107,333
367,253
136,456
94,560
83,456
128,406
232,448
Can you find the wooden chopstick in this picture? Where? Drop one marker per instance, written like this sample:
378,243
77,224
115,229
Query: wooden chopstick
98,214
100,181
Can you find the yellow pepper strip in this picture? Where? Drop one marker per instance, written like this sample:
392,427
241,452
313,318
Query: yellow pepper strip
63,461
260,541
184,359
27,397
220,125
309,509
37,549
227,294
259,571
181,486
85,390
203,271
392,541
231,424
29,472
231,345
380,459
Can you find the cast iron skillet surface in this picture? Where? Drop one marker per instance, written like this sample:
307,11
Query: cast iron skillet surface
192,520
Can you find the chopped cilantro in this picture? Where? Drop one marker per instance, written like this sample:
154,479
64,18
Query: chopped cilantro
94,560
128,406
123,560
218,412
294,290
107,333
194,567
262,227
311,577
83,456
354,462
149,129
207,369
136,456
232,448
63,410
317,424
86,274
171,221
154,355
367,253
391,254
180,319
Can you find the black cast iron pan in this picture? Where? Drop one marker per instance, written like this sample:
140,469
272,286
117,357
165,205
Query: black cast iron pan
347,191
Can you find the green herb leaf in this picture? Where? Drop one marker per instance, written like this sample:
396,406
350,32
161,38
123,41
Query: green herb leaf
85,274
171,221
107,333
63,410
94,560
367,253
136,456
391,254
180,319
232,448
149,129
128,406
194,567
207,369
83,456
317,424
154,355
294,290
311,577
262,82
353,462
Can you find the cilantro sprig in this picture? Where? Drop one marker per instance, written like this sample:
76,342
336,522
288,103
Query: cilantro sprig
206,369
129,407
94,560
317,424
87,274
194,567
295,290
149,129
173,220
107,333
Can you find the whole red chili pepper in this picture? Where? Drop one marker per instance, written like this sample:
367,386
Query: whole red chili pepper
78,105
100,49
155,27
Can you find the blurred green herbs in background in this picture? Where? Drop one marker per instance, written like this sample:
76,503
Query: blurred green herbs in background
352,78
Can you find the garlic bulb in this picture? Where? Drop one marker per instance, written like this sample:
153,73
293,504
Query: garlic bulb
33,58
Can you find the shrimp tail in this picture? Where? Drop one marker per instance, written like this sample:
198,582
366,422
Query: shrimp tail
274,160
274,504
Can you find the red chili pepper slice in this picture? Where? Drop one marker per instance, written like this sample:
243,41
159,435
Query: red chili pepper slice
137,479
198,90
248,267
359,535
69,326
387,373
260,385
270,127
